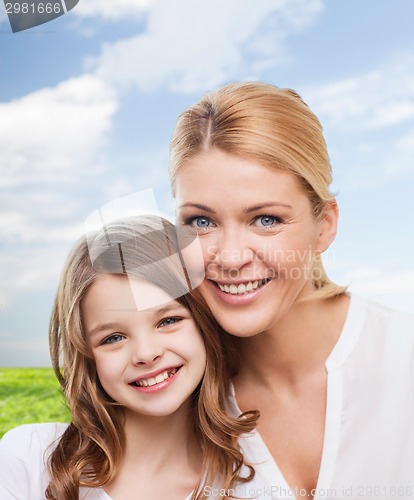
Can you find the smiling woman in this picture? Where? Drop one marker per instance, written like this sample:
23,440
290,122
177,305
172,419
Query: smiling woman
328,371
140,361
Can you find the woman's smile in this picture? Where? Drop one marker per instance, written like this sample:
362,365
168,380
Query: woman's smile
259,238
237,294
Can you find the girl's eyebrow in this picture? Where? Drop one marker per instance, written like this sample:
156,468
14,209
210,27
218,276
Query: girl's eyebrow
101,328
165,309
170,306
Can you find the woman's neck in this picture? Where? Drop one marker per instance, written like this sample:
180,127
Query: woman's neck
296,347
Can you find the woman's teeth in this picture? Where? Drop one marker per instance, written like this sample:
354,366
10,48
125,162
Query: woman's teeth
243,287
147,382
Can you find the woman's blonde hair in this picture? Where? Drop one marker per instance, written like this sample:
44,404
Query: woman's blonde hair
269,125
90,451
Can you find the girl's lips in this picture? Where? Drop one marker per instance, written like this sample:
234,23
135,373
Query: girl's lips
239,296
157,382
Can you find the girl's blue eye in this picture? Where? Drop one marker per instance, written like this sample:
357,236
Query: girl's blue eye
169,321
267,220
112,339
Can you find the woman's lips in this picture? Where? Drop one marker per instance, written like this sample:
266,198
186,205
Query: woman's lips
242,288
241,293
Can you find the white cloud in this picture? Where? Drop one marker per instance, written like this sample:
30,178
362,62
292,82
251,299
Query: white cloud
50,134
371,163
189,46
395,283
52,143
368,123
3,303
30,269
110,9
376,99
395,290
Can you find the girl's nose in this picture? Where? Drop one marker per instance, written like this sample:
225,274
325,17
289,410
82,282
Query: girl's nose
146,350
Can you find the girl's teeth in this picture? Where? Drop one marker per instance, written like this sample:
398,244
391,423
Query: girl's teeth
243,287
156,380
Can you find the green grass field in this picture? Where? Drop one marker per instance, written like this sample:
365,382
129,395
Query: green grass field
29,395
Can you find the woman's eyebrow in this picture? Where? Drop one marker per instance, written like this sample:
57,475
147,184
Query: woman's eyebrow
270,204
247,210
204,208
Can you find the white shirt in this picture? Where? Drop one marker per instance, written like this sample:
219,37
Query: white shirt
368,449
24,452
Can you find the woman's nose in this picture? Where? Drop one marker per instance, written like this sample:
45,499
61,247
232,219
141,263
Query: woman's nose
233,250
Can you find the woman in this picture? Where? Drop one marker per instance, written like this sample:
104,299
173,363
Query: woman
331,374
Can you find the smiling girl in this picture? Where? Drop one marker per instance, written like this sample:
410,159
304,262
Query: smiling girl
331,373
141,365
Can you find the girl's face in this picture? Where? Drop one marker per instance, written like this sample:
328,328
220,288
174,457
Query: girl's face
149,361
258,236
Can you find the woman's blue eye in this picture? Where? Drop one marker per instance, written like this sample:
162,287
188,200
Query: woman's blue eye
266,220
202,222
112,339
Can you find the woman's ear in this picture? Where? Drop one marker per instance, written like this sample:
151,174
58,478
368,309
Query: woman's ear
328,225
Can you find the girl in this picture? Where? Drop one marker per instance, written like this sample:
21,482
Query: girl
141,366
331,374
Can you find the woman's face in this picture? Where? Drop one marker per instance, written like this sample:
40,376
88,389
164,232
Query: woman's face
258,237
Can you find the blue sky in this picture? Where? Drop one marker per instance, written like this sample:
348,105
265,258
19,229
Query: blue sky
88,102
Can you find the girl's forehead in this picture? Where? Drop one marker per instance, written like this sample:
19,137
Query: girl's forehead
113,292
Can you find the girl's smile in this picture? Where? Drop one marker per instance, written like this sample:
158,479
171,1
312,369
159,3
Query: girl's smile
149,361
156,381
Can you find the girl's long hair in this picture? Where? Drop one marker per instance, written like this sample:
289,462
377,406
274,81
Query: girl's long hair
90,451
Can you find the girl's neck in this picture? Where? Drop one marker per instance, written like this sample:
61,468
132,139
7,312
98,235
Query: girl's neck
296,347
157,442
162,458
